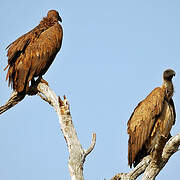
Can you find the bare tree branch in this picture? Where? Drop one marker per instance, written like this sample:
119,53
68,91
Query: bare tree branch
77,154
13,100
150,168
137,171
170,148
93,142
18,97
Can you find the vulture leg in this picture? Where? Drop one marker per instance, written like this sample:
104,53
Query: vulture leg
40,79
32,90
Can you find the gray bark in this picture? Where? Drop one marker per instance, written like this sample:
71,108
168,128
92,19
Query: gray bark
150,168
77,154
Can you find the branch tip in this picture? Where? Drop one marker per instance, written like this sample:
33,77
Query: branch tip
61,103
93,142
64,97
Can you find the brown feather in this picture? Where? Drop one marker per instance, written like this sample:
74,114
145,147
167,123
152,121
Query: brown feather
144,123
32,54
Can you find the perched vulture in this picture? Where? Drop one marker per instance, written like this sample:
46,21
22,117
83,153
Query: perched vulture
150,124
31,54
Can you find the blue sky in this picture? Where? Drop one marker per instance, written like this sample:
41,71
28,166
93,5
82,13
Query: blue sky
113,55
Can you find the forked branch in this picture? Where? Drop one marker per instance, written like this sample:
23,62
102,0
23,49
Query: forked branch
148,166
77,154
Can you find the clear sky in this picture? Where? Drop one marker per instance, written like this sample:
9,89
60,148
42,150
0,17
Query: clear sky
113,54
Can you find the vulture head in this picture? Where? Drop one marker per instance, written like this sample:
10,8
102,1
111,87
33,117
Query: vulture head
54,15
168,74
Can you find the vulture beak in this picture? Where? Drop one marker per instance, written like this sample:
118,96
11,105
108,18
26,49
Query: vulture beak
59,19
173,74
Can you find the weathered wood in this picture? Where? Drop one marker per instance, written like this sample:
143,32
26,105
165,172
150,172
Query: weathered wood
13,100
77,154
150,168
170,148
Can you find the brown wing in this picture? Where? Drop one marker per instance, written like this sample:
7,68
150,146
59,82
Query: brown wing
37,55
17,47
141,122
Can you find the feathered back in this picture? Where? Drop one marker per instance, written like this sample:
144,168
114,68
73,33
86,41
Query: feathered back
151,119
142,121
31,54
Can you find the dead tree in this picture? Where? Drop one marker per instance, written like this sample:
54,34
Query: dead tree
77,154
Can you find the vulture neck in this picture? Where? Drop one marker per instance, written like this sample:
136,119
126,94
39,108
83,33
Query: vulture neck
169,88
47,22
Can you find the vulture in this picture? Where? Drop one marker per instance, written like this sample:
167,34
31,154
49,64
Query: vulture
150,124
31,55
